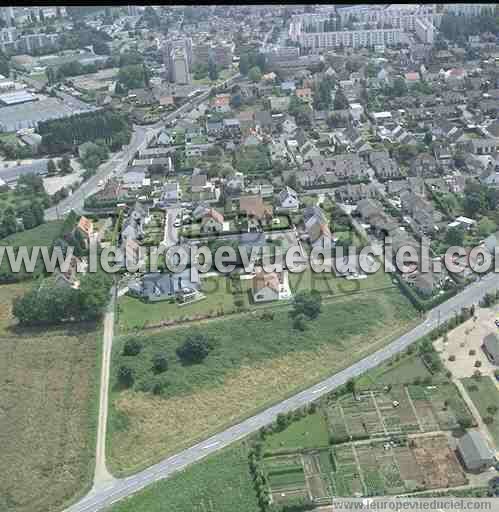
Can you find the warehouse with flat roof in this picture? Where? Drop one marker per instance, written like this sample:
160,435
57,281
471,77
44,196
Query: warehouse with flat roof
16,98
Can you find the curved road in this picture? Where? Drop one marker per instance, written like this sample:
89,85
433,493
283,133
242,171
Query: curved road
99,499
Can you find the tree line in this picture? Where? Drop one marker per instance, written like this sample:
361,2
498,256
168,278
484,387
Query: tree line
50,304
63,135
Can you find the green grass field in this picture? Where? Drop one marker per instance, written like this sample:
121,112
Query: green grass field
309,432
48,410
220,483
486,395
254,363
400,372
42,235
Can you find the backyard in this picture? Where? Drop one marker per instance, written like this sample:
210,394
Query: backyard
250,355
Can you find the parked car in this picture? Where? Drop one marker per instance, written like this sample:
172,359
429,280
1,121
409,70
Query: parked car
497,322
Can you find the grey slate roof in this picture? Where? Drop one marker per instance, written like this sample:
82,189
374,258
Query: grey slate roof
474,449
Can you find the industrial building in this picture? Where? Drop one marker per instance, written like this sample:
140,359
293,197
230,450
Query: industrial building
16,98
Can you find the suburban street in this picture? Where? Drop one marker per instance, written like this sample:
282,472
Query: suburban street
100,498
119,161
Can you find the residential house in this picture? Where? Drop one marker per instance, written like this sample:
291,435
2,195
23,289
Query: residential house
86,227
214,128
288,87
221,103
70,278
288,198
420,210
134,180
246,121
171,192
304,94
424,165
158,286
353,193
269,286
232,127
263,121
255,210
384,167
133,226
212,222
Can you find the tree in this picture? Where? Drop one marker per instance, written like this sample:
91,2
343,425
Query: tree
299,322
455,236
486,226
160,362
398,89
340,100
51,168
126,376
195,349
65,165
244,64
308,303
212,70
255,74
351,386
132,347
428,138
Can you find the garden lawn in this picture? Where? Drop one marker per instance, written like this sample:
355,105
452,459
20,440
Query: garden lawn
254,364
220,483
220,295
308,432
486,395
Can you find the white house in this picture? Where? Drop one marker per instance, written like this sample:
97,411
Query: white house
288,198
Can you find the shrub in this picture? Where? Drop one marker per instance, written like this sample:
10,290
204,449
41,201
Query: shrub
478,364
160,362
195,349
452,358
488,420
299,322
472,352
132,347
126,376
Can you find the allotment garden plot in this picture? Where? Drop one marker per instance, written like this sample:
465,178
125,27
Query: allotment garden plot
398,410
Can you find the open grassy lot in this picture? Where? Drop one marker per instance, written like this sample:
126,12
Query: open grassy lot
309,432
42,235
221,483
485,395
48,406
404,371
254,364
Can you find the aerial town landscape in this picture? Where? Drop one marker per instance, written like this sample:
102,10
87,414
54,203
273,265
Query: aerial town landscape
148,132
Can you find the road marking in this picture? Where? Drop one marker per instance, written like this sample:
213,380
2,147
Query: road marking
319,390
210,445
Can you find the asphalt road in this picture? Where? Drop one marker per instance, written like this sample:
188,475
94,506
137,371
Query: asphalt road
121,488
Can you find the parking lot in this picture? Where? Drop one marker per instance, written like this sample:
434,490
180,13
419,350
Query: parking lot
464,344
